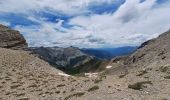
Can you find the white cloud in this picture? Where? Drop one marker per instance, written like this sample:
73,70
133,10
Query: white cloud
132,24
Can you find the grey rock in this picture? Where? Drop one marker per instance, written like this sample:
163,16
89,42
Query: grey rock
66,59
10,38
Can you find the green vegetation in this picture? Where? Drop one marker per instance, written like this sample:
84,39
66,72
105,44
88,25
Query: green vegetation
138,85
123,75
79,94
24,98
15,86
60,85
57,92
93,88
167,77
100,78
142,73
164,68
97,80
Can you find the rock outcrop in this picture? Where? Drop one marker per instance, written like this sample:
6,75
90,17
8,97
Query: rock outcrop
10,38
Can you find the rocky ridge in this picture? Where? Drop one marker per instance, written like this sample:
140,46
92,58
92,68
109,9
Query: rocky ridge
152,51
10,38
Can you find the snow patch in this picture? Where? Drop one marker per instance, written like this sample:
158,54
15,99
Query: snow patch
63,74
108,67
91,74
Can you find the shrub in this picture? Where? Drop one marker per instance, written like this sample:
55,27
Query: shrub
123,74
138,85
167,77
164,68
79,94
101,77
97,80
93,88
61,85
57,92
142,73
15,86
24,98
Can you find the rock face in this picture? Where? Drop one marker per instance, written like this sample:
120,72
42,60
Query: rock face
63,57
11,38
69,59
152,51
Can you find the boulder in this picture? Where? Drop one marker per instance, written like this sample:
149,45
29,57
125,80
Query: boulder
10,38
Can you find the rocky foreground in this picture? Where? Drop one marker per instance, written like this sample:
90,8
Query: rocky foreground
145,75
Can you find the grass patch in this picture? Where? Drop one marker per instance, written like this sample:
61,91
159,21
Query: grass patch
24,98
100,79
57,92
32,86
15,86
167,77
61,85
79,94
123,75
93,88
97,80
138,85
142,73
164,68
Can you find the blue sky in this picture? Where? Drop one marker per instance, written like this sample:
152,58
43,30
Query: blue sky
86,23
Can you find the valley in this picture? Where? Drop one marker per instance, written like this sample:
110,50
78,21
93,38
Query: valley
35,74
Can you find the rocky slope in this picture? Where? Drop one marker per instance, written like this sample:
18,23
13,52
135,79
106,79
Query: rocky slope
10,38
151,52
26,77
147,71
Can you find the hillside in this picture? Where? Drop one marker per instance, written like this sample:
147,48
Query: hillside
151,52
144,75
71,59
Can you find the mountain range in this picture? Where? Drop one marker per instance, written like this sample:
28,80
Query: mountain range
34,73
109,53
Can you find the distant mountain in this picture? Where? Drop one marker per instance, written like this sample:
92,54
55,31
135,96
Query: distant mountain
142,75
109,53
71,59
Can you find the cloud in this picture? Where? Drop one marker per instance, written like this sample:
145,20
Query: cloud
132,24
71,22
69,7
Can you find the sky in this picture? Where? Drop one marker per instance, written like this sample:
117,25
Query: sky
86,23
